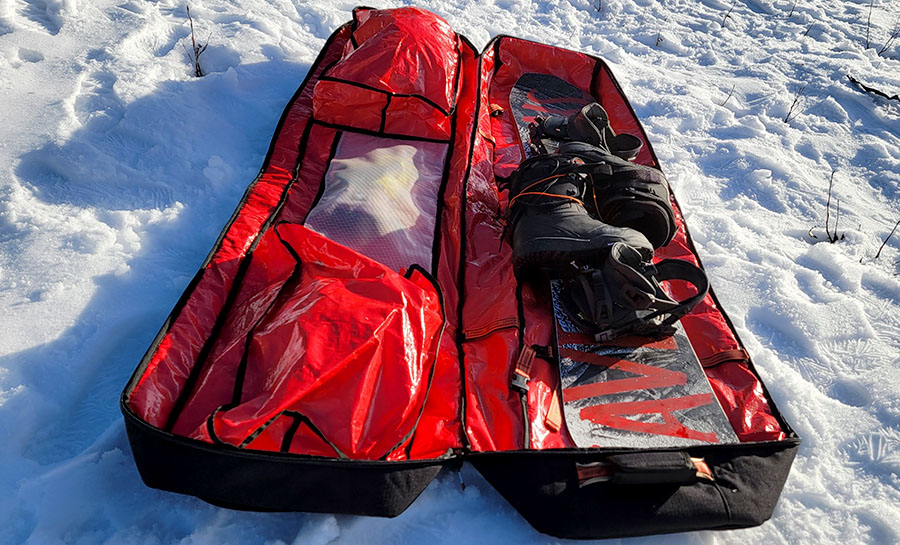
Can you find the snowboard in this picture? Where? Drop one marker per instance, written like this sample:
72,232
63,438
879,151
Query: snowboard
630,392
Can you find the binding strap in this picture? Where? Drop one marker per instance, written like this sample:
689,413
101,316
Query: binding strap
624,296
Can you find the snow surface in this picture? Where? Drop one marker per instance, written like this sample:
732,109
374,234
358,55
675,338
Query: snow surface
118,169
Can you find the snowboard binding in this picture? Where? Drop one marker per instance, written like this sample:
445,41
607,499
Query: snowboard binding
624,296
591,218
590,125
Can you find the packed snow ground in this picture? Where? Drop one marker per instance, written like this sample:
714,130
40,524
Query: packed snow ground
118,168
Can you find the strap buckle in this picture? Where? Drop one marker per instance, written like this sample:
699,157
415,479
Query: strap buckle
520,381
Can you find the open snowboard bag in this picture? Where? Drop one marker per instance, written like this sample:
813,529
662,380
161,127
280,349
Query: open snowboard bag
358,324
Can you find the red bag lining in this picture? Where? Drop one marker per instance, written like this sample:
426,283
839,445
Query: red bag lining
389,94
166,366
479,394
401,74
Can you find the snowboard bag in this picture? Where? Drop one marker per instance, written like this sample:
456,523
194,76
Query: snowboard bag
358,325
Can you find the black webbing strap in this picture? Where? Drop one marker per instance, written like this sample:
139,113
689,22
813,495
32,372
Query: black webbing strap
679,269
671,312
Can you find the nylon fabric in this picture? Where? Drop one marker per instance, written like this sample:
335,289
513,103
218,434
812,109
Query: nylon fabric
270,268
349,344
168,364
399,77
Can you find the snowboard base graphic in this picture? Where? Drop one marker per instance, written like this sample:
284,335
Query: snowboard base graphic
634,391
631,392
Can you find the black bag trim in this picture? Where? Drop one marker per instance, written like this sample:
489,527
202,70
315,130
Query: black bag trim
498,62
273,481
299,418
289,435
653,467
381,134
302,418
387,104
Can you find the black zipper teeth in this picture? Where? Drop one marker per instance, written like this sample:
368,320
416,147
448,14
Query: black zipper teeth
461,274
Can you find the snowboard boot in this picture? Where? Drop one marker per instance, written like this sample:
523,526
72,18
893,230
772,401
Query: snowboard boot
591,125
623,295
551,227
626,194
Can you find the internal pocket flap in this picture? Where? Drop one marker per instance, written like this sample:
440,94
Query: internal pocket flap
401,76
346,352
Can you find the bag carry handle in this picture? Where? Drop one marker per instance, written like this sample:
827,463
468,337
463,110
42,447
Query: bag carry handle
641,468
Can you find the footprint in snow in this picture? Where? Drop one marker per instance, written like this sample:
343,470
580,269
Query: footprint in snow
39,14
877,452
133,7
30,55
850,392
96,106
98,54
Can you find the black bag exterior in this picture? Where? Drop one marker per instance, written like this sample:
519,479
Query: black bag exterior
255,481
545,489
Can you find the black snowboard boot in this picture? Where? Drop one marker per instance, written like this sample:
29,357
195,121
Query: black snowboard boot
625,194
591,125
623,295
551,227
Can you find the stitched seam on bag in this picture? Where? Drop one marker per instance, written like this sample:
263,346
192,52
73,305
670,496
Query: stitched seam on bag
738,354
424,99
724,500
475,333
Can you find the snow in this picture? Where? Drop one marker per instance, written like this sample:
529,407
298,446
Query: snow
118,169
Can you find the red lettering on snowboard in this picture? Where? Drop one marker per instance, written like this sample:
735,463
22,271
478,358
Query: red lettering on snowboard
649,376
612,415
